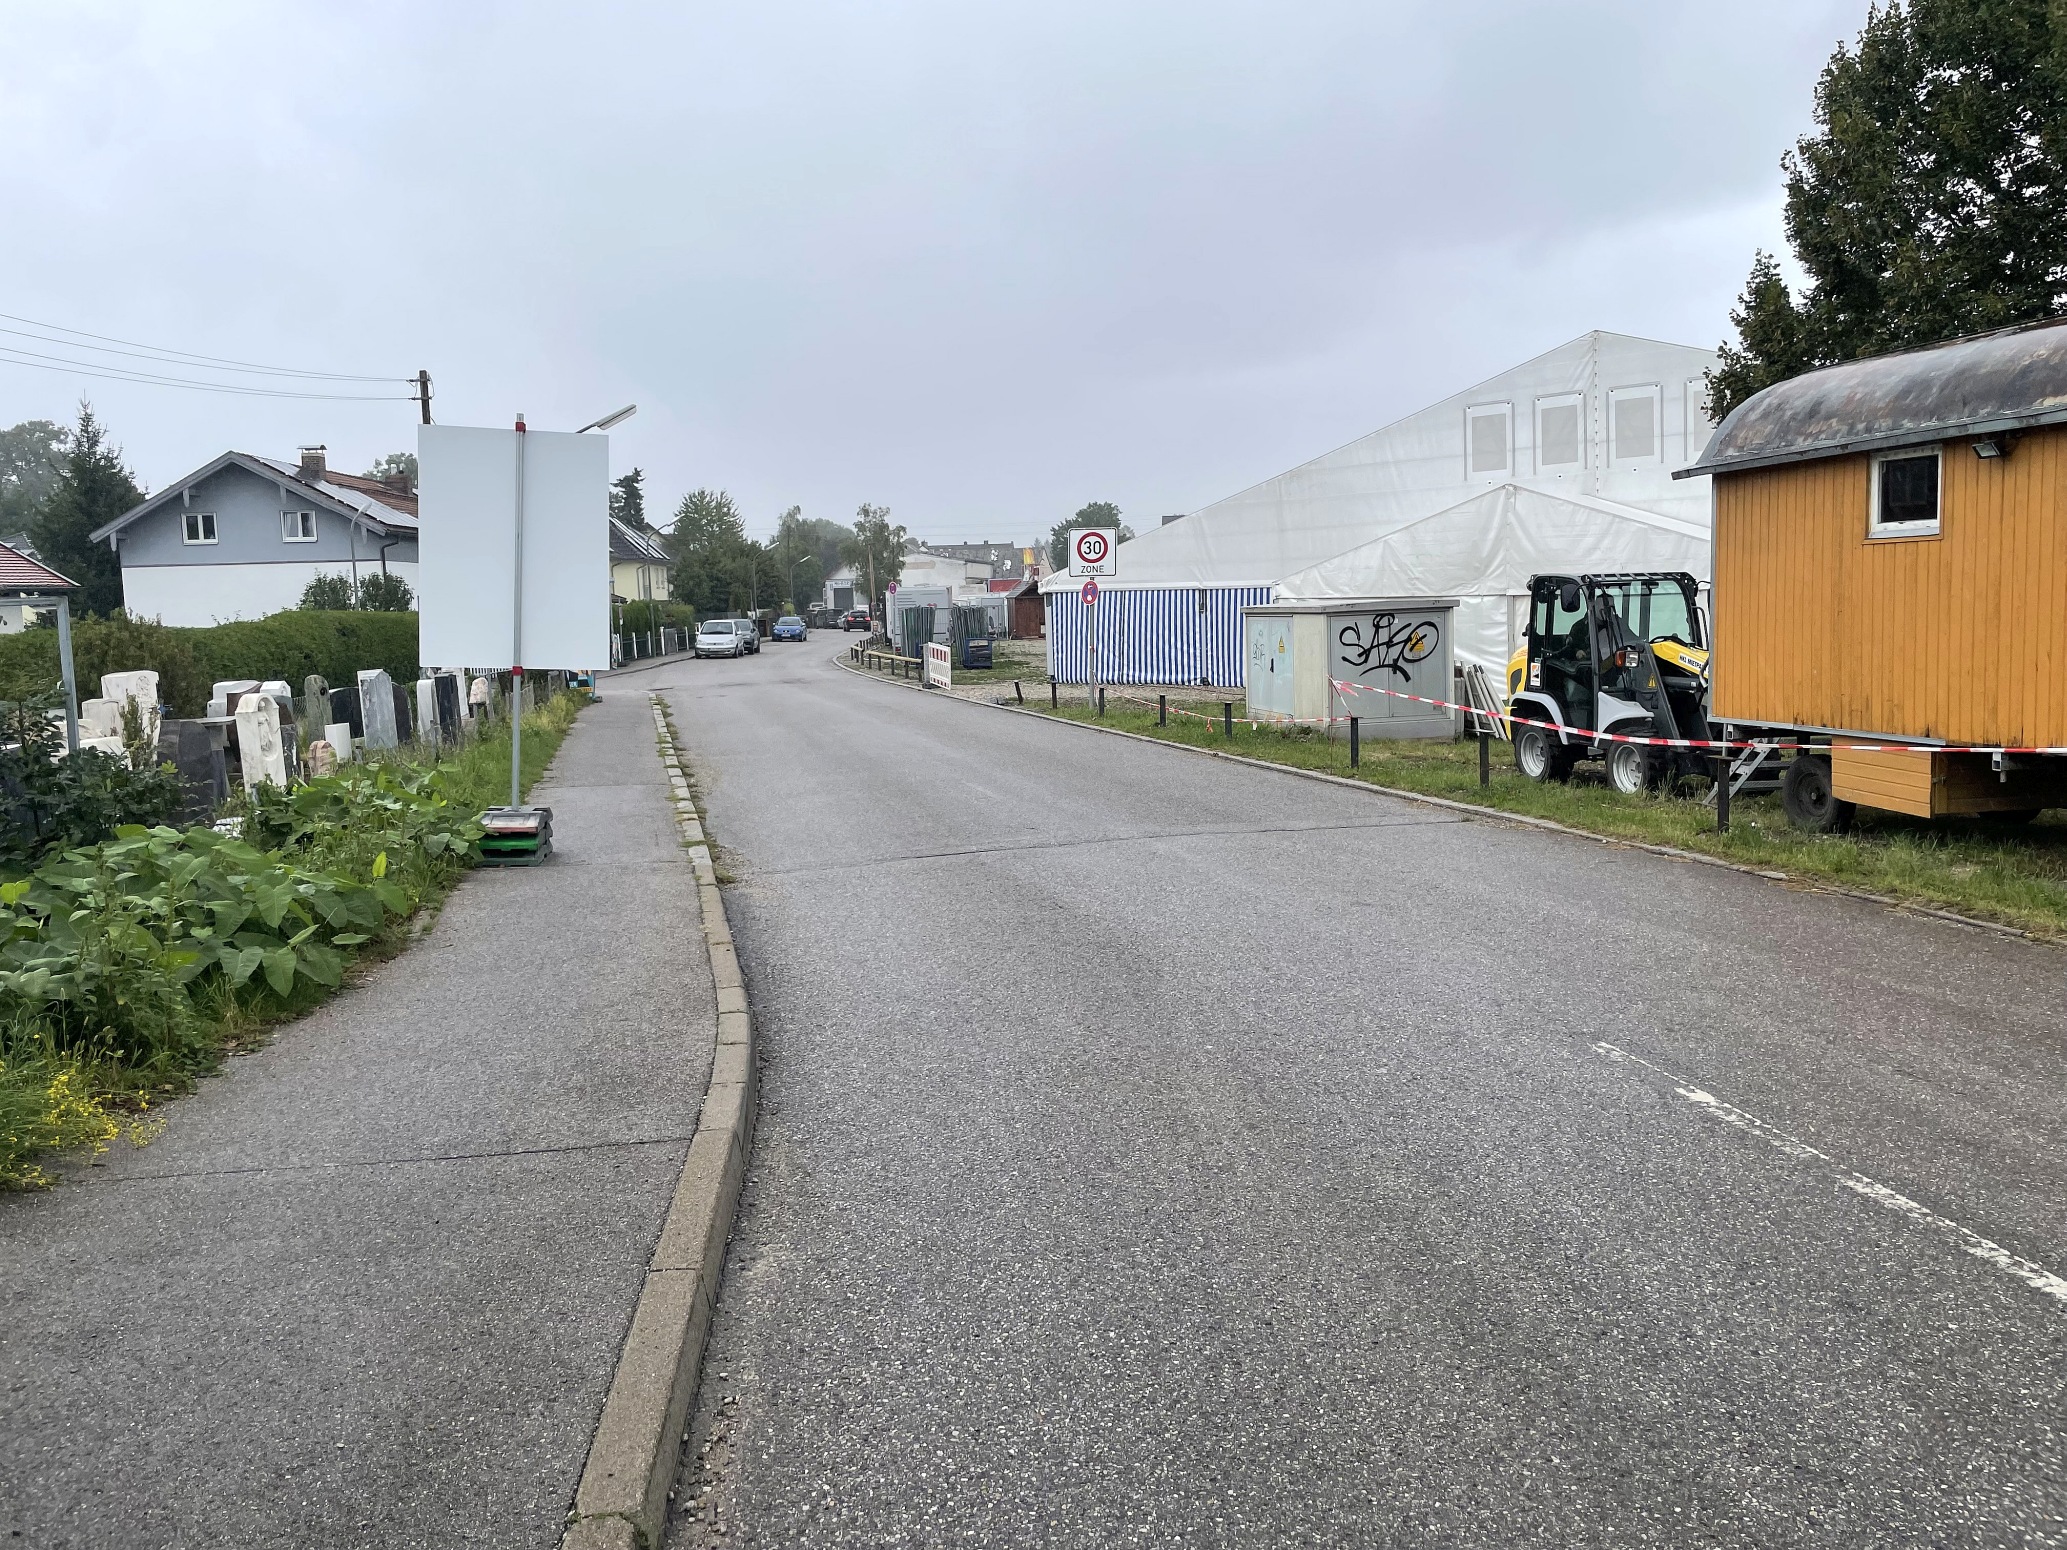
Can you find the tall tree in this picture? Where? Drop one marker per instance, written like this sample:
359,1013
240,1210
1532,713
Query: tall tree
800,550
93,489
1931,202
708,541
876,552
628,499
394,465
1096,514
32,455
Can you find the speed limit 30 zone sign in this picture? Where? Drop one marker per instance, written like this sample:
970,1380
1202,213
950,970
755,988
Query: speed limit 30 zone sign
1094,551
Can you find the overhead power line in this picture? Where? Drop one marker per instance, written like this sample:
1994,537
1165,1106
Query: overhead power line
176,357
12,356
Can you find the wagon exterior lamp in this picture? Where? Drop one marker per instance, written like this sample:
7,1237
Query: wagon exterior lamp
1997,445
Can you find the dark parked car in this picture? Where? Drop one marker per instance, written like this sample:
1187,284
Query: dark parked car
751,630
788,627
854,619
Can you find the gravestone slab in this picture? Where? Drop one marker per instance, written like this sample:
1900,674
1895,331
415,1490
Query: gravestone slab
140,686
405,724
427,730
450,713
229,686
322,759
280,690
338,734
100,718
344,706
259,745
377,709
192,749
315,701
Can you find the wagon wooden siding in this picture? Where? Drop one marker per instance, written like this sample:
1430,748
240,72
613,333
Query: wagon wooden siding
1960,636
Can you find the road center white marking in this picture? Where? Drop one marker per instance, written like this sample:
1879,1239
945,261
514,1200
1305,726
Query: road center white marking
2036,1276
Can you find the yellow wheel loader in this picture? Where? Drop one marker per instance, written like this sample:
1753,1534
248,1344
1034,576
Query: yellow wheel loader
1611,654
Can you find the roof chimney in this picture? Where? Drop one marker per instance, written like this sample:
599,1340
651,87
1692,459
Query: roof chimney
312,468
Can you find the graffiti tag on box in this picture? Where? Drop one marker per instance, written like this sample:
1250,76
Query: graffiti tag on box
1389,642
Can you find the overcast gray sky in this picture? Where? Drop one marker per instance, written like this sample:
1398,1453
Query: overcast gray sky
978,262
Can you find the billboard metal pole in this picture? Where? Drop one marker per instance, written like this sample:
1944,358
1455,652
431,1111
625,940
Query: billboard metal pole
517,641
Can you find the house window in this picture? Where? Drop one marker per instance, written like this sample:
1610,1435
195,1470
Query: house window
1633,425
1558,442
298,527
200,527
1905,495
1486,438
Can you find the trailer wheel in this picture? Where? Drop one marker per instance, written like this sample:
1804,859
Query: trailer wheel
2012,817
1631,769
1810,801
1540,756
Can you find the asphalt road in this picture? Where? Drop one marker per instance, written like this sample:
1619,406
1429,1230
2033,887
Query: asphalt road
369,1286
1157,1151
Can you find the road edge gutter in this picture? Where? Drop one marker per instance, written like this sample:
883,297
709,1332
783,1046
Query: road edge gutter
621,1502
1501,815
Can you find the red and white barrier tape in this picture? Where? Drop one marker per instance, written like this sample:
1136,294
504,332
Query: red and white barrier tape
1685,742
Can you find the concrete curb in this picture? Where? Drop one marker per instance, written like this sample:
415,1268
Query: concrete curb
621,1502
1947,917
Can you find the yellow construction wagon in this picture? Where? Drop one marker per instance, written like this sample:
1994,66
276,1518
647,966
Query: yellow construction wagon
1890,580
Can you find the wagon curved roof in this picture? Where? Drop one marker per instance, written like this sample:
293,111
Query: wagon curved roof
2011,380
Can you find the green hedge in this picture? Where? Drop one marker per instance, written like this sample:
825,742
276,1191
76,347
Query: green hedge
288,645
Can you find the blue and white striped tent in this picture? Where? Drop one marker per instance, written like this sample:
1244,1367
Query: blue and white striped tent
1149,635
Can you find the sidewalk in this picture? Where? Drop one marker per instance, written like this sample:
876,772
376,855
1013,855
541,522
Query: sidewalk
369,1286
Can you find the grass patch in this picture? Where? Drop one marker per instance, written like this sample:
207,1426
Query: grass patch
2017,876
132,967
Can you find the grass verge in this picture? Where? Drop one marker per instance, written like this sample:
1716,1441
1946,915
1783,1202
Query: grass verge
2016,876
60,1092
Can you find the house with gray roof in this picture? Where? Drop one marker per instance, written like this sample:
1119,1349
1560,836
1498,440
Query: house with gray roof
243,536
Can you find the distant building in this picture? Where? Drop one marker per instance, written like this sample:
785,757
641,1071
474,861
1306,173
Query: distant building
1007,562
638,564
243,536
28,588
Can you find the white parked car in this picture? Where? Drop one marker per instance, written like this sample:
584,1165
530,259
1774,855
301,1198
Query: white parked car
722,638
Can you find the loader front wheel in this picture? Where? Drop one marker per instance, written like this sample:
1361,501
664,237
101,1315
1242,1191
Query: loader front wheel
1810,801
1540,756
1631,768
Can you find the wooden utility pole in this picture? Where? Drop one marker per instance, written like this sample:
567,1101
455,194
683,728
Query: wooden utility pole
423,394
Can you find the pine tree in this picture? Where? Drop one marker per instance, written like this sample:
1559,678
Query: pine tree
93,490
628,499
1933,200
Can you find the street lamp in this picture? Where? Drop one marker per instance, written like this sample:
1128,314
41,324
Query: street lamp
609,420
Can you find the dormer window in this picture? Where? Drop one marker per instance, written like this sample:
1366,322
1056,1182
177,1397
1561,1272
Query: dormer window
200,527
298,527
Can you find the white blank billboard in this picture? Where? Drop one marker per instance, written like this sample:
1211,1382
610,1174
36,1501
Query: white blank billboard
466,491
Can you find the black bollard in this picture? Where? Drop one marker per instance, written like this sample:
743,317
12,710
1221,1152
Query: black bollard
1227,718
1101,699
1018,693
1053,702
1355,749
1485,757
1722,792
1162,710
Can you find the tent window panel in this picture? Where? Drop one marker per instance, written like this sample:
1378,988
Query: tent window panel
1633,424
1557,433
1487,437
1699,427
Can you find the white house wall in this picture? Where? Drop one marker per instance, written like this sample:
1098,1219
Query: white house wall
215,594
1423,463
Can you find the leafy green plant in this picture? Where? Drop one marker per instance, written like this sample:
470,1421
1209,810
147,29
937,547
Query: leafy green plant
327,592
49,802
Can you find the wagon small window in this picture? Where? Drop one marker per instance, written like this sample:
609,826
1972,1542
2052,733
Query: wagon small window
1905,495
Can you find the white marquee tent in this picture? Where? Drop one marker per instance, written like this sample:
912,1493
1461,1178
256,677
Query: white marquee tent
1604,418
1482,552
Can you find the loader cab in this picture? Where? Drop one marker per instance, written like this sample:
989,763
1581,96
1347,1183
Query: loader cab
1622,654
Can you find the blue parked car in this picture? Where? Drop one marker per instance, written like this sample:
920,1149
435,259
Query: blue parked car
788,627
